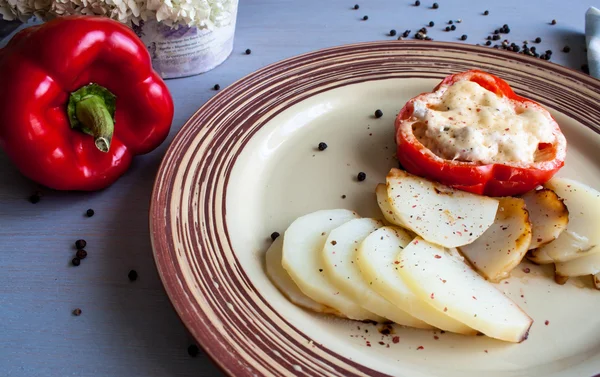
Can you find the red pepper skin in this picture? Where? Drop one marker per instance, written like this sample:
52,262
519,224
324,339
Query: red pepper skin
42,65
489,179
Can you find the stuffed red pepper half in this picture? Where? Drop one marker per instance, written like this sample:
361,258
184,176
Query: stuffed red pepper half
472,132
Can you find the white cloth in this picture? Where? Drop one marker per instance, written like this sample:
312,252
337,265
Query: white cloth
592,39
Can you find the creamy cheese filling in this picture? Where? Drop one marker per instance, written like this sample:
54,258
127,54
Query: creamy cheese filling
467,122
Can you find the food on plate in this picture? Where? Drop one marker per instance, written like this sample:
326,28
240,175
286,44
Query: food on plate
286,285
582,235
472,132
548,214
539,256
79,100
449,285
504,244
384,204
339,254
596,280
439,214
302,258
376,260
585,265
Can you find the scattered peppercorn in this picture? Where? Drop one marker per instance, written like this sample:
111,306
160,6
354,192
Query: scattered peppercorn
548,52
450,22
459,20
356,6
486,12
80,244
322,146
378,113
217,87
488,43
496,37
538,40
453,27
76,261
423,30
566,49
435,6
193,350
463,37
274,235
417,3
81,254
361,176
532,49
392,32
496,31
248,51
77,312
365,17
428,39
431,24
447,28
89,212
406,33
343,196
132,275
553,22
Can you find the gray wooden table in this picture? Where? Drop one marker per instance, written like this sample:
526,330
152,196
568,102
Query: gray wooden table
129,328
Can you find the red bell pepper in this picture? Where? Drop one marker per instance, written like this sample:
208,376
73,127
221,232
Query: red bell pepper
79,99
497,179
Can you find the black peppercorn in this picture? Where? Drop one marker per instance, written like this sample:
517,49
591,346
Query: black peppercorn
343,196
361,176
496,31
322,146
423,30
248,51
447,28
81,254
217,87
496,37
463,37
76,261
378,113
566,49
486,12
35,197
488,43
506,30
548,52
132,275
553,22
274,235
538,40
365,17
417,3
356,6
435,6
406,33
80,244
532,49
193,350
89,212
428,39
450,22
392,32
453,27
431,24
516,48
77,312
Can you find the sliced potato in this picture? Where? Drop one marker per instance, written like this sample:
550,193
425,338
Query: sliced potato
548,215
586,265
502,247
438,213
376,261
384,205
452,287
286,285
302,259
539,256
339,255
581,236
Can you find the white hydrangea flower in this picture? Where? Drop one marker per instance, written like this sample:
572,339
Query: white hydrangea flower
197,13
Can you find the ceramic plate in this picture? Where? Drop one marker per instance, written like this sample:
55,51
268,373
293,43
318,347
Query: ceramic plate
246,165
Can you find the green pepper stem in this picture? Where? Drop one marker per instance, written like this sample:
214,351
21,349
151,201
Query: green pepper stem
91,109
93,114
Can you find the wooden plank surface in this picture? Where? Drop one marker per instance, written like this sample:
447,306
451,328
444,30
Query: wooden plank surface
129,328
